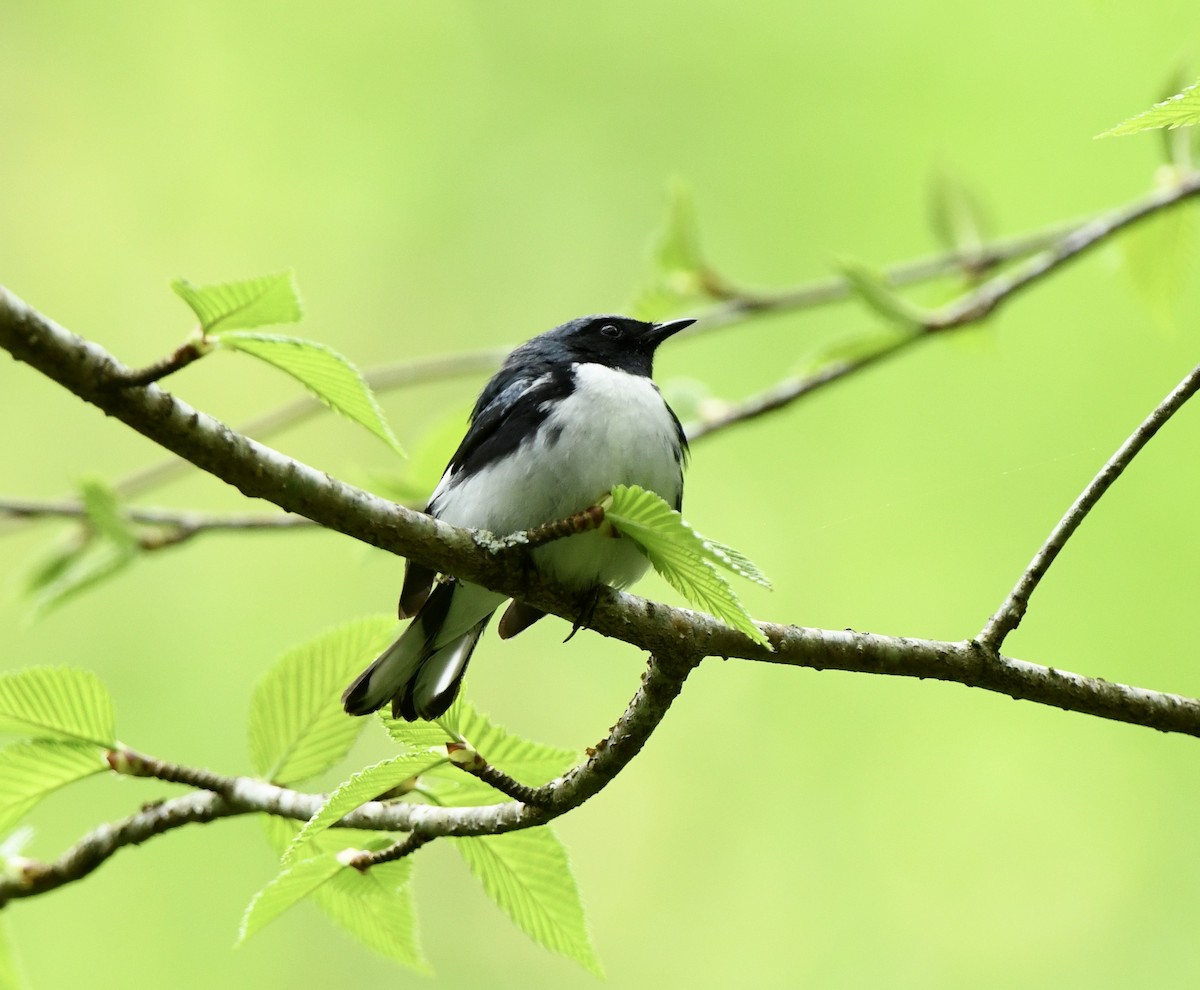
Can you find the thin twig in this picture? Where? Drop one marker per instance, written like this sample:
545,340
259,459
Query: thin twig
31,508
970,309
478,767
1008,616
28,878
181,357
225,796
398,850
382,379
739,304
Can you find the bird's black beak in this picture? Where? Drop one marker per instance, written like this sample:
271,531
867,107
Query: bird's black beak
659,332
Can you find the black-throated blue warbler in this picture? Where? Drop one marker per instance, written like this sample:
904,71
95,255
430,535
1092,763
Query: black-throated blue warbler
570,414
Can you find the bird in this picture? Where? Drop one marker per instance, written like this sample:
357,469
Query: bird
571,413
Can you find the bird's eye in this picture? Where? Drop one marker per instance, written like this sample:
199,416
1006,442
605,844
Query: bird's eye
611,330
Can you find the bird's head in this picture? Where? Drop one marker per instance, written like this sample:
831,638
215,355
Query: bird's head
613,341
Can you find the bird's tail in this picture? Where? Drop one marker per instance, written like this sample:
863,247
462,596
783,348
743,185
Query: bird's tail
421,671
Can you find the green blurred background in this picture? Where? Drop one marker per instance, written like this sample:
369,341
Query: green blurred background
459,174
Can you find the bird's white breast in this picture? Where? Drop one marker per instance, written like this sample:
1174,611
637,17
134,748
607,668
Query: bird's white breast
614,428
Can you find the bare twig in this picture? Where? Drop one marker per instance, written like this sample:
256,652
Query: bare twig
970,309
738,304
31,508
474,764
398,850
1008,616
181,357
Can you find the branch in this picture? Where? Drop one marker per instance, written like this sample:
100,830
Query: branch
228,796
86,369
17,508
970,309
1008,616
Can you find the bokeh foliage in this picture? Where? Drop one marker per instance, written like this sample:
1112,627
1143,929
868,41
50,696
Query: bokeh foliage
458,175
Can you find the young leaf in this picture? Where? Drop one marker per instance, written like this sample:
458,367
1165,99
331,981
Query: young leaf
376,908
675,258
57,703
297,726
366,785
416,735
110,545
683,557
320,369
253,302
736,561
528,875
31,770
872,288
291,886
1160,254
529,762
1179,110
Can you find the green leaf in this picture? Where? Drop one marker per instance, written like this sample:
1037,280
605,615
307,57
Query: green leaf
682,556
29,771
1180,110
416,735
736,561
57,703
956,216
110,544
297,726
323,371
872,288
244,305
529,762
676,262
291,886
853,349
1160,253
364,786
376,908
528,875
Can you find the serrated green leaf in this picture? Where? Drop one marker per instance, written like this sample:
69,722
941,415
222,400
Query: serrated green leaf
1180,110
57,703
528,875
377,909
736,561
415,735
529,762
320,369
681,555
291,886
297,726
378,912
364,786
872,288
254,302
31,770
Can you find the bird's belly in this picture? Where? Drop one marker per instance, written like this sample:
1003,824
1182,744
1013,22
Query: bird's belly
614,429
